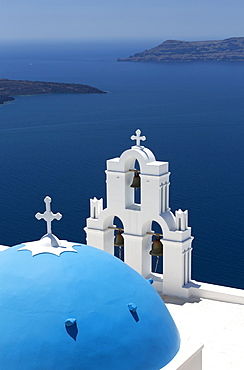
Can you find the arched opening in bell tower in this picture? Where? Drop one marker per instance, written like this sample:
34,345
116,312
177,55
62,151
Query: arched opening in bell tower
156,248
118,239
136,183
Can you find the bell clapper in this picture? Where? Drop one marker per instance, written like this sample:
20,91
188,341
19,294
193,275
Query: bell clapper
156,265
120,252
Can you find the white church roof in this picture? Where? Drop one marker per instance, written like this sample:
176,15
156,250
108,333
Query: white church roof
218,325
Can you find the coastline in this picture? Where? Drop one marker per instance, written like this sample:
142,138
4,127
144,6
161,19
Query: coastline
10,88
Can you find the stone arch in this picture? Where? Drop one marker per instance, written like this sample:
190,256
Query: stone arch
166,225
106,221
165,220
134,160
113,220
143,156
136,199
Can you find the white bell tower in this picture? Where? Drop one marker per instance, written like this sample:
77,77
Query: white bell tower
137,218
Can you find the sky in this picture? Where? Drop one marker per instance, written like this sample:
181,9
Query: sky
120,19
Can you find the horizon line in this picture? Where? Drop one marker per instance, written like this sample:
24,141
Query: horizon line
115,39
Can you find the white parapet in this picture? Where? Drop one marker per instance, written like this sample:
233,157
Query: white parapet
96,207
181,220
215,292
189,356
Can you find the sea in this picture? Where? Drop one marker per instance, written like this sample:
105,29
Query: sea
57,145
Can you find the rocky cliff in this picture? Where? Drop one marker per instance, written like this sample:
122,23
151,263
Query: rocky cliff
231,49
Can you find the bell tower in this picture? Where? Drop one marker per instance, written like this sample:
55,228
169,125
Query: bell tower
137,218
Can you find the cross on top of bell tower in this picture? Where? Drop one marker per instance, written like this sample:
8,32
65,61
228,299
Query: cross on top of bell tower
48,216
138,138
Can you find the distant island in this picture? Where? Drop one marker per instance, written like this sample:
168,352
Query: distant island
231,50
10,88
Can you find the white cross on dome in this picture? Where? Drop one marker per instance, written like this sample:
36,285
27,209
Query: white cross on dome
48,216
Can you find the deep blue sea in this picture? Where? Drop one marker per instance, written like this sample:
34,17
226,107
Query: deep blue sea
192,115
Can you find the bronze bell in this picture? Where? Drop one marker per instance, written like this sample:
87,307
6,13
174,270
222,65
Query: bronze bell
119,240
136,183
157,247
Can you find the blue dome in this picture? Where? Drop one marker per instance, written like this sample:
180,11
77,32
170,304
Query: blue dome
86,310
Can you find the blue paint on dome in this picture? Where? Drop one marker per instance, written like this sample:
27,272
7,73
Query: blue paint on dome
38,294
